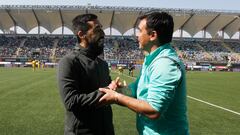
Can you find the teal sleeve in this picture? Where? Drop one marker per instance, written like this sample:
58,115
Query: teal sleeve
133,87
163,80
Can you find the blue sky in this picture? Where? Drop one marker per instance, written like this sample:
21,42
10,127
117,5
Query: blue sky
186,4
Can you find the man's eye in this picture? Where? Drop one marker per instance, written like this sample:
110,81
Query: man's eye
98,27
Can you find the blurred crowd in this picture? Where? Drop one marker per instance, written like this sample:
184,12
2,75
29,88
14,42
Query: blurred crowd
117,48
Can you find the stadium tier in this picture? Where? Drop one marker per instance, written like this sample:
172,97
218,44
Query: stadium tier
214,23
216,44
24,48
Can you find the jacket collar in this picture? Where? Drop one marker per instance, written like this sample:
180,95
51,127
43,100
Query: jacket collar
153,54
85,51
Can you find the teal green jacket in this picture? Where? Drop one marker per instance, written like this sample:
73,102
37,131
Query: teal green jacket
162,84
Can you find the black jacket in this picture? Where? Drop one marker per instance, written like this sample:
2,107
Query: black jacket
80,74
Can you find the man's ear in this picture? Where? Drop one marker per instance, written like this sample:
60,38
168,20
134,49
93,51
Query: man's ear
81,34
153,36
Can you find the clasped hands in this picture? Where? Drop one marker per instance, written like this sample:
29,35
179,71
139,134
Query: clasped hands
112,92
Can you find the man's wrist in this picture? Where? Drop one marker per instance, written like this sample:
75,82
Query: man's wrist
116,98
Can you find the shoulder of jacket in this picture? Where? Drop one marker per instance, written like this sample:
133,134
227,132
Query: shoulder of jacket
101,60
69,57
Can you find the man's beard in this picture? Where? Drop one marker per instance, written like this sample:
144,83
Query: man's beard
96,46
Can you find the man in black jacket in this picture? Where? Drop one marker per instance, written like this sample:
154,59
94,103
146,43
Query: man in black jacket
81,73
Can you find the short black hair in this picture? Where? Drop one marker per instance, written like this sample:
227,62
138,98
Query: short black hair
79,23
162,23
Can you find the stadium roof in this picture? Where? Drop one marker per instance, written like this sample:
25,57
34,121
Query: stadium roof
121,18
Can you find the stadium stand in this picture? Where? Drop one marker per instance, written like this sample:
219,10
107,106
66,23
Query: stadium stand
217,50
116,48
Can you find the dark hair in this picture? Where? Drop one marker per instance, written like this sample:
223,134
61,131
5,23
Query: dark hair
79,23
162,23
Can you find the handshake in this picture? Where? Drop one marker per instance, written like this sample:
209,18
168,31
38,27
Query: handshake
113,92
117,84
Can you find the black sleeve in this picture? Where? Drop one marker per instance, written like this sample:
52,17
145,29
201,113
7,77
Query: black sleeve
71,97
109,79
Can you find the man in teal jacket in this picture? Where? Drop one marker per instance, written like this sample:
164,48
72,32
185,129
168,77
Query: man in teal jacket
159,93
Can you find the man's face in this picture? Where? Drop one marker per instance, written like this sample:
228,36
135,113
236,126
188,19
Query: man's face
142,35
95,34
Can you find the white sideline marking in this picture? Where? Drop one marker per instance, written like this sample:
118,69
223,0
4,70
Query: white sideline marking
214,105
201,101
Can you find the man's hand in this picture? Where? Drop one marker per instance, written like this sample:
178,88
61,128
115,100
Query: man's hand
137,105
117,84
110,96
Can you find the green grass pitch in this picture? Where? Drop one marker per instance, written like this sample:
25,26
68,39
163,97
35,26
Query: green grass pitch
30,103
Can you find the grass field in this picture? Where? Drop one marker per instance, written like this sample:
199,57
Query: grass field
30,104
